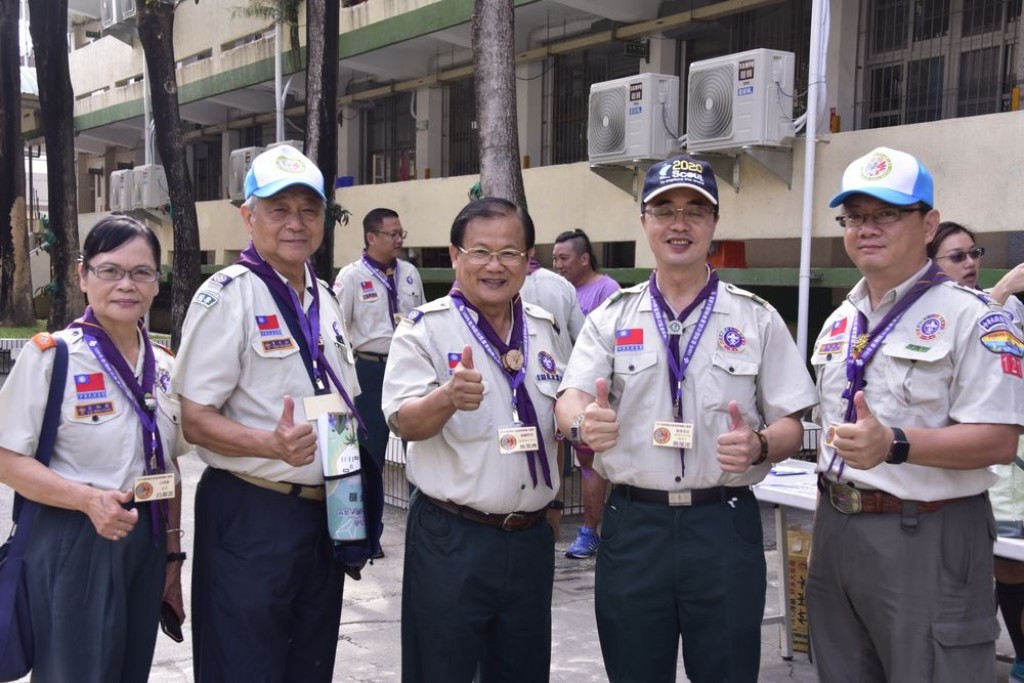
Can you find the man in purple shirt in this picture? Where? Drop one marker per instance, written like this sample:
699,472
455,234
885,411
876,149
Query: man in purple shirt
573,257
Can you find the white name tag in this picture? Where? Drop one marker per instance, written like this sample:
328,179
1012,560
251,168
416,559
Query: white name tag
154,487
517,440
673,434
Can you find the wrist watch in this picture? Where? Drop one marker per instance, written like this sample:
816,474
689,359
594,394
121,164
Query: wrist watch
764,449
900,449
576,430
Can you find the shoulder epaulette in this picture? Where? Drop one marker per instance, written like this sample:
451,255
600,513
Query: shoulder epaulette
638,288
978,294
733,289
209,291
44,340
417,313
162,347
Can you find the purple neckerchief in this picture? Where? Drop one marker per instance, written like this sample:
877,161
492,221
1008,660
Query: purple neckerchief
140,396
533,266
862,347
388,279
494,346
677,366
309,324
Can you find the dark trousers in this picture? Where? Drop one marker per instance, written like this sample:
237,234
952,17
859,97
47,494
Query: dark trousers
266,591
475,598
371,379
95,603
903,598
665,572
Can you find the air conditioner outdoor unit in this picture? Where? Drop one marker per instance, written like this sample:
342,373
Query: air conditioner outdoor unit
239,163
633,119
127,9
110,13
120,190
740,100
149,187
297,144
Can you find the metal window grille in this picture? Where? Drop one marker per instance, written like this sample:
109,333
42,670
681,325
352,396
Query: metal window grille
463,148
390,135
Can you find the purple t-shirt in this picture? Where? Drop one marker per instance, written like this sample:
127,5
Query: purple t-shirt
590,295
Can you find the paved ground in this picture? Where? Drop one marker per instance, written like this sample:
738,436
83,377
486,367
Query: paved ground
368,648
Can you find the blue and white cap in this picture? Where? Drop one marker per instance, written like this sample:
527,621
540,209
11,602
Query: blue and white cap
889,175
281,167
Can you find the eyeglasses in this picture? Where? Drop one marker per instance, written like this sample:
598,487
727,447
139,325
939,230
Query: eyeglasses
961,256
397,235
481,257
693,213
890,214
116,273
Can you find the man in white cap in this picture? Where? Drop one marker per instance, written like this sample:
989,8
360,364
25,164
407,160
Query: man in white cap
260,337
920,391
687,389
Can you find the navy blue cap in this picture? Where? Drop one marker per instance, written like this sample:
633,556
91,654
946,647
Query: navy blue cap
680,171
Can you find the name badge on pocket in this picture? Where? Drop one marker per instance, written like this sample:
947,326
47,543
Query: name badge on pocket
517,440
672,434
154,487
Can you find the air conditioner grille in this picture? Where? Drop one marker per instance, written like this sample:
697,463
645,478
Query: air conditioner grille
607,131
709,106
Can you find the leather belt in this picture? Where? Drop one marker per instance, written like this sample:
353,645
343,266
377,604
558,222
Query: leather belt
717,494
372,357
851,500
513,521
293,490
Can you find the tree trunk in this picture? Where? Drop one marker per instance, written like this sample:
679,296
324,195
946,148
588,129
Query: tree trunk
493,25
49,28
15,273
321,114
156,33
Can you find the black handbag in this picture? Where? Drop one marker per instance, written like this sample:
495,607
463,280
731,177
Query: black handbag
16,644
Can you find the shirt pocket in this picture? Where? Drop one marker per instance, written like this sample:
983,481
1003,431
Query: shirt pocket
635,379
729,379
94,412
917,379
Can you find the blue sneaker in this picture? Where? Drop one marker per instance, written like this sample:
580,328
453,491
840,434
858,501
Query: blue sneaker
1017,672
585,544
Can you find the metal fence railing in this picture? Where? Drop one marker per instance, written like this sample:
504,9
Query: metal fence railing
9,349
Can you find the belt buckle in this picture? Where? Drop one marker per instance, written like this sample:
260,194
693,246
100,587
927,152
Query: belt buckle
678,498
514,521
845,498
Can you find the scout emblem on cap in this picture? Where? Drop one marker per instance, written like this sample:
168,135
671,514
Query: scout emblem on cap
290,164
876,167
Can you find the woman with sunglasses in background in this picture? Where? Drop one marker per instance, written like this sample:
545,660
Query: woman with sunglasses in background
955,252
105,548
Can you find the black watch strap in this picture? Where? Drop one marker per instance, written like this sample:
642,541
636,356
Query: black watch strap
899,451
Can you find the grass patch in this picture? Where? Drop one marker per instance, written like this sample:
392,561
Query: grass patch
22,332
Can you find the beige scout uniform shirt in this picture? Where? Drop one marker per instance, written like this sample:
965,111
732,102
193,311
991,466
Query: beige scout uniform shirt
99,438
238,355
364,303
932,370
556,295
746,354
1007,494
462,463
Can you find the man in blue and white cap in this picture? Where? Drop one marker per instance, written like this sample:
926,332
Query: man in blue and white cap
920,391
261,336
687,389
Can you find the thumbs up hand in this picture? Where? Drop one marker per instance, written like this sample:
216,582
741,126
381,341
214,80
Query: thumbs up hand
865,443
294,444
600,428
739,447
465,389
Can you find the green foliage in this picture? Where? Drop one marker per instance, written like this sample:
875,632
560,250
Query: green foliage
48,239
339,214
285,10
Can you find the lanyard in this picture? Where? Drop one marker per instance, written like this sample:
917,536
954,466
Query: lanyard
864,345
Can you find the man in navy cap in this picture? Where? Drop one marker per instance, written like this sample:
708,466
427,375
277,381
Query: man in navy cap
687,389
920,390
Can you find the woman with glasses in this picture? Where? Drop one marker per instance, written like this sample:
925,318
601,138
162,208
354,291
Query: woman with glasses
105,546
954,250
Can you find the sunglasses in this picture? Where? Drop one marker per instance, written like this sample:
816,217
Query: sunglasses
961,256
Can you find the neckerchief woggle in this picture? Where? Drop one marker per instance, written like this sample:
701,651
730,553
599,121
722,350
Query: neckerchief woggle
677,366
140,396
379,271
863,346
309,325
523,411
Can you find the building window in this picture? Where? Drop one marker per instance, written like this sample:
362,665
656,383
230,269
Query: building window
462,151
928,60
390,140
206,171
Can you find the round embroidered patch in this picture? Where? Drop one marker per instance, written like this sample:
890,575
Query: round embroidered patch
290,165
931,327
546,361
876,167
732,339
